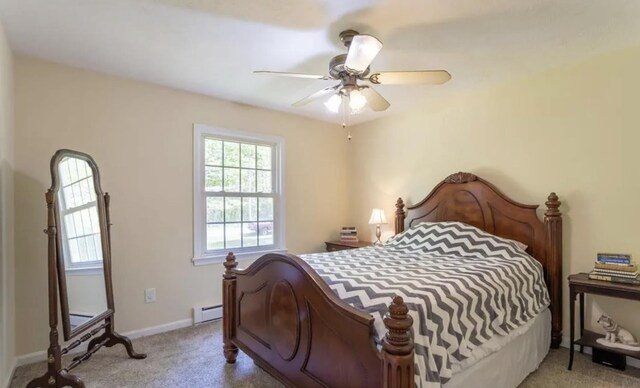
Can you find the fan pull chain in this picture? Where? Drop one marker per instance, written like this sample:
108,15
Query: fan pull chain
345,114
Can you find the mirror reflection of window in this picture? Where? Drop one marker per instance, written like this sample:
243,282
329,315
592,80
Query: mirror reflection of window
79,212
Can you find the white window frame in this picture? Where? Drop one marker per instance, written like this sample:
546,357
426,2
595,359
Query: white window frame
200,255
94,267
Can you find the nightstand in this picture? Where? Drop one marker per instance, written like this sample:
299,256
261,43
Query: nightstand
580,284
342,245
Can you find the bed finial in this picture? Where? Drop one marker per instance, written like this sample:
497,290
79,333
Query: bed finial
461,177
553,206
400,215
553,225
397,346
229,349
230,264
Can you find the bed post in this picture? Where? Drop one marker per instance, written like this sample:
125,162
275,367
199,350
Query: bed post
229,308
400,215
397,347
553,224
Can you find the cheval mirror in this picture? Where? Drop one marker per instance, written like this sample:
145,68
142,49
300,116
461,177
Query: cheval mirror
79,242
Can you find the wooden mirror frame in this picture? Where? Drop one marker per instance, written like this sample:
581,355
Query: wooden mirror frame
56,375
70,333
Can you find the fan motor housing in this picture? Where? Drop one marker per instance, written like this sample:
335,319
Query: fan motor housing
337,69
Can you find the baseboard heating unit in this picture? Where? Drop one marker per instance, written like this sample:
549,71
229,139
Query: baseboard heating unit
203,314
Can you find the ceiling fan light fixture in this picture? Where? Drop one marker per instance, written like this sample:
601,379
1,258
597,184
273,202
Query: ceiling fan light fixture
348,97
333,103
357,101
362,50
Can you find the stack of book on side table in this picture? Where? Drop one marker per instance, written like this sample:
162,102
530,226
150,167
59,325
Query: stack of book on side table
614,267
349,234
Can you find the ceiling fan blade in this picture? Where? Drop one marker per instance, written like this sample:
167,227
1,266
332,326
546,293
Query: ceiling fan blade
374,99
294,75
362,50
432,77
317,95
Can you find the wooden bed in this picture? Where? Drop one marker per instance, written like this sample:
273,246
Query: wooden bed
287,319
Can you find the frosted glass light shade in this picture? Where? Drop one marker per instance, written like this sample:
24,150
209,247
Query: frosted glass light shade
357,101
333,103
377,217
362,50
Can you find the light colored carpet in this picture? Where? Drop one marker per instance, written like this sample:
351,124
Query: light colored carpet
192,357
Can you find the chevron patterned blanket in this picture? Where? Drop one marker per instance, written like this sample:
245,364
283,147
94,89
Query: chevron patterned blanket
462,286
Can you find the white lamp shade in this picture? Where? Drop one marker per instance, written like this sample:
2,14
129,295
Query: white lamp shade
357,101
377,217
362,50
333,103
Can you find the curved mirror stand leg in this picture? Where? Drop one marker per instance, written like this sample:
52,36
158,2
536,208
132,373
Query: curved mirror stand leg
61,379
114,338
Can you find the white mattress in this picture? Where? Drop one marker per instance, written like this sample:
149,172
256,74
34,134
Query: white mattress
505,361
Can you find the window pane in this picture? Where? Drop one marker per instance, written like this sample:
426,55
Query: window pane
82,250
98,244
231,154
213,179
70,226
232,180
264,157
213,152
77,194
232,209
233,236
215,236
248,155
73,170
215,209
86,221
65,179
83,169
249,234
264,182
92,189
248,181
73,250
91,249
249,209
85,191
95,221
265,235
265,209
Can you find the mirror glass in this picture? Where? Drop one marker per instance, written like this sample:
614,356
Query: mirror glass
80,244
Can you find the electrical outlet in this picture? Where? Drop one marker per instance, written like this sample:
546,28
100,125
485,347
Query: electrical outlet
149,295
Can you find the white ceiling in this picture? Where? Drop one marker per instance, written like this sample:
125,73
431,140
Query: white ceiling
212,46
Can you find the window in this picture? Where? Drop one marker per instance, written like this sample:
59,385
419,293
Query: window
79,215
238,194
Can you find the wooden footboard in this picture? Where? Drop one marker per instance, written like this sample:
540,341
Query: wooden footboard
284,316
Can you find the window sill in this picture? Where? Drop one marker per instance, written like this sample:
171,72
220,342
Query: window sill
243,256
87,271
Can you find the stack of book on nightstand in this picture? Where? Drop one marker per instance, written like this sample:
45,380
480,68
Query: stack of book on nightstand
349,234
618,268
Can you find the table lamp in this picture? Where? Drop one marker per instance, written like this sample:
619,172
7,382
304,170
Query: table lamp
377,218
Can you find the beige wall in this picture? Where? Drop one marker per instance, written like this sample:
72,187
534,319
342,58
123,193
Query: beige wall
574,130
87,295
7,303
141,137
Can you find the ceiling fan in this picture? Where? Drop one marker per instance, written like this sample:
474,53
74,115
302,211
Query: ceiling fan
352,67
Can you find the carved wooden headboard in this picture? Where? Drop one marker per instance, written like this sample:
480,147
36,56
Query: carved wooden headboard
467,198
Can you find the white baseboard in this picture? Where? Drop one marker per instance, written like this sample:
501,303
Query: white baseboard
12,370
634,362
159,329
41,355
